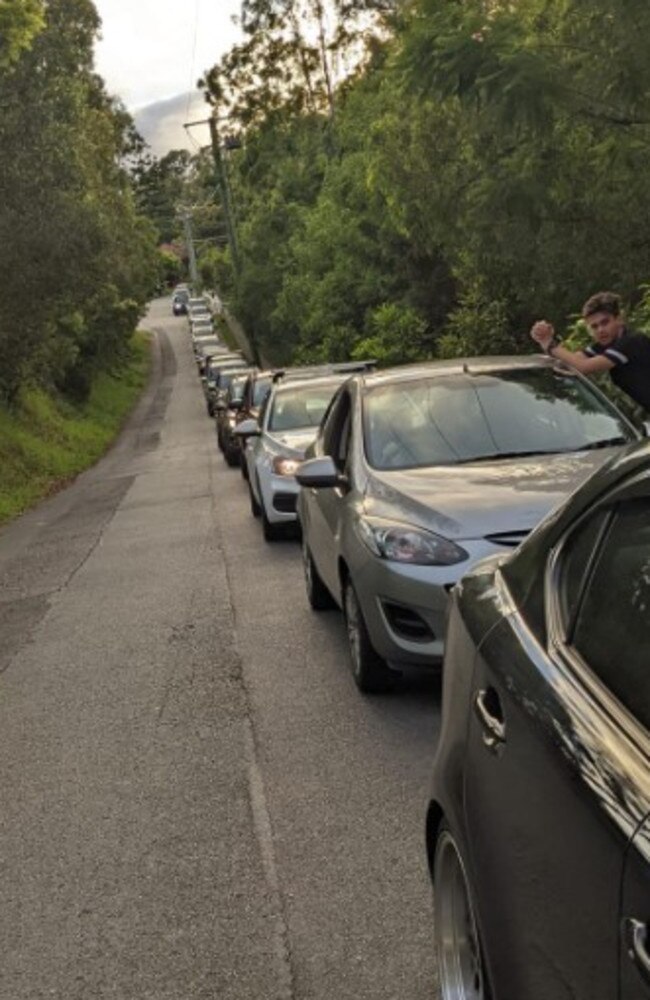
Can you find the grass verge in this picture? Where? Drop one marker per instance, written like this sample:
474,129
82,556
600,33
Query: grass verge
46,441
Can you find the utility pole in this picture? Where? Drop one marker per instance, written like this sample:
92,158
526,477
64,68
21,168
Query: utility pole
189,240
221,178
226,200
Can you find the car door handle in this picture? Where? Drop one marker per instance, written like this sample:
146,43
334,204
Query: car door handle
487,707
636,941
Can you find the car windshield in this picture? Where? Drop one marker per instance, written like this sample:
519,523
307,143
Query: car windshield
303,406
451,419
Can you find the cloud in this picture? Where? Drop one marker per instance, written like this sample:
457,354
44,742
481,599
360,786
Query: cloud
161,123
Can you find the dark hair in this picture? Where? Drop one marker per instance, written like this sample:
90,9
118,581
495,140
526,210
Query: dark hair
602,302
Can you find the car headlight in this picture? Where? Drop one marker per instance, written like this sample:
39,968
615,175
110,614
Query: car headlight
285,466
405,543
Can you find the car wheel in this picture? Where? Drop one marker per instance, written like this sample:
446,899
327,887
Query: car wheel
461,967
256,510
318,595
210,409
232,457
272,532
371,673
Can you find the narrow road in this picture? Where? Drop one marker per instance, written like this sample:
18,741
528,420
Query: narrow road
195,800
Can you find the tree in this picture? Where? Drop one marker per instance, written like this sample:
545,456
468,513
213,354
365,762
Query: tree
159,186
75,256
20,23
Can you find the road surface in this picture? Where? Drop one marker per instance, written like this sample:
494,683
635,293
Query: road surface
195,800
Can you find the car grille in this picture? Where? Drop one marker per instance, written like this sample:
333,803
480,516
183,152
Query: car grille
407,623
509,538
285,503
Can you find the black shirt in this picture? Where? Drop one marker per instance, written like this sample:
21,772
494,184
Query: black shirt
630,354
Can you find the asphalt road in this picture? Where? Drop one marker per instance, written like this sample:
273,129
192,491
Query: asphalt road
195,801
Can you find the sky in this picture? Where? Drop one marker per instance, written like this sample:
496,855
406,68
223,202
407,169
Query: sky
152,52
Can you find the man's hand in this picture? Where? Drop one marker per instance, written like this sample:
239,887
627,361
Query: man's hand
543,333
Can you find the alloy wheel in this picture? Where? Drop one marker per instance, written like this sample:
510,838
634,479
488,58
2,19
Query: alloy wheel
460,961
352,613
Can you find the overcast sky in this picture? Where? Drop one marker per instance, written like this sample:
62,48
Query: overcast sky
152,50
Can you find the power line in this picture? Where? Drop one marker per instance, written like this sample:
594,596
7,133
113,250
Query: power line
190,89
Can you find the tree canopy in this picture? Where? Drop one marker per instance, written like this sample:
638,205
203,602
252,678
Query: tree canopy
427,178
78,261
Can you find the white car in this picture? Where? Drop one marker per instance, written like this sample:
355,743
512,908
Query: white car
275,446
201,323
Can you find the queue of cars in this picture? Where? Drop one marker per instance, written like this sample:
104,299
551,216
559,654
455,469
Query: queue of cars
492,515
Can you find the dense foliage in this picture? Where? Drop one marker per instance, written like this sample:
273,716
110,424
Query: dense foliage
427,177
78,261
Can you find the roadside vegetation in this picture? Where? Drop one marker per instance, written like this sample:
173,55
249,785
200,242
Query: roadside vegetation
45,439
425,179
78,259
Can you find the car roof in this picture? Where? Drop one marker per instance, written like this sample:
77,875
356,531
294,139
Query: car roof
324,368
333,379
460,366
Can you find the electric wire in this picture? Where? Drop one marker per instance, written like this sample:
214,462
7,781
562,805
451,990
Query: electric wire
191,87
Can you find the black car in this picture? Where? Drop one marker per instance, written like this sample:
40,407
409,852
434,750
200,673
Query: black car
227,413
538,829
180,298
217,389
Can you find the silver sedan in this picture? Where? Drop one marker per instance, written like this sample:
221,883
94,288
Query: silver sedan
418,472
276,444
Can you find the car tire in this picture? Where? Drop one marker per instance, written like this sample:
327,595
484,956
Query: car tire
461,967
371,673
318,595
232,457
272,532
243,464
256,510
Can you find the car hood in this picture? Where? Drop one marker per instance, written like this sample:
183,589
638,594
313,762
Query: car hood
484,498
297,440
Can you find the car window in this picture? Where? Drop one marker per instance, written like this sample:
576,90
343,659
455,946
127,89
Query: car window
613,625
577,560
264,409
261,390
330,421
338,436
453,418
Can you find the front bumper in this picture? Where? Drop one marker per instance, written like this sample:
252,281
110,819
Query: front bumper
405,607
279,496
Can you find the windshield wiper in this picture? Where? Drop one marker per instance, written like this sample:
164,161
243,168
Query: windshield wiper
605,443
497,455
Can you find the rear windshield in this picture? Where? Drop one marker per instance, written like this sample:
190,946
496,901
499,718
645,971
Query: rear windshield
452,419
237,387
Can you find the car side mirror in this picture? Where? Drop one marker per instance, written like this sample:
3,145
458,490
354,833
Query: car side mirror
247,429
320,474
